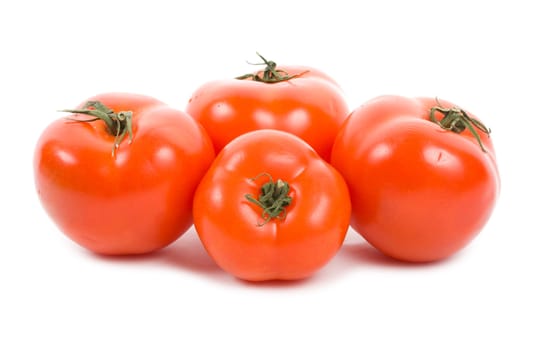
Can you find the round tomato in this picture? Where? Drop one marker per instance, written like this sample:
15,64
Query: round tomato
118,176
422,175
300,100
271,208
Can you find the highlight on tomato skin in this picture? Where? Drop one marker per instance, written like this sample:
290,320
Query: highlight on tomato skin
300,100
422,174
270,208
111,174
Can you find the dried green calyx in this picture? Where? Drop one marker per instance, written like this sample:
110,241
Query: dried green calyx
118,124
273,198
457,120
270,74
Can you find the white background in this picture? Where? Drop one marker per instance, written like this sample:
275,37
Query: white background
55,294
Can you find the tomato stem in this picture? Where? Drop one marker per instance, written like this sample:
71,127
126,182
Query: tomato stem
273,199
457,120
117,124
270,74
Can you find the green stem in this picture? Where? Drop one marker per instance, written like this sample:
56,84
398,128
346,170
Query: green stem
270,74
117,124
457,120
273,198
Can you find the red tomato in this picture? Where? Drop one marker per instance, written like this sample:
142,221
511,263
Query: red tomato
296,99
116,195
421,189
270,208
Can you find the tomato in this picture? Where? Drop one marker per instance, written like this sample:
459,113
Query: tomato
422,175
270,208
125,191
301,100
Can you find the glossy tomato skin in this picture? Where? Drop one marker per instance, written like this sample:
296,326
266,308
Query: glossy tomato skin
310,106
232,228
419,193
134,202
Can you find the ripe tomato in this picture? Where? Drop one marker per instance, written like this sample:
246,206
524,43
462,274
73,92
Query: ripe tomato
422,175
270,208
114,196
300,100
